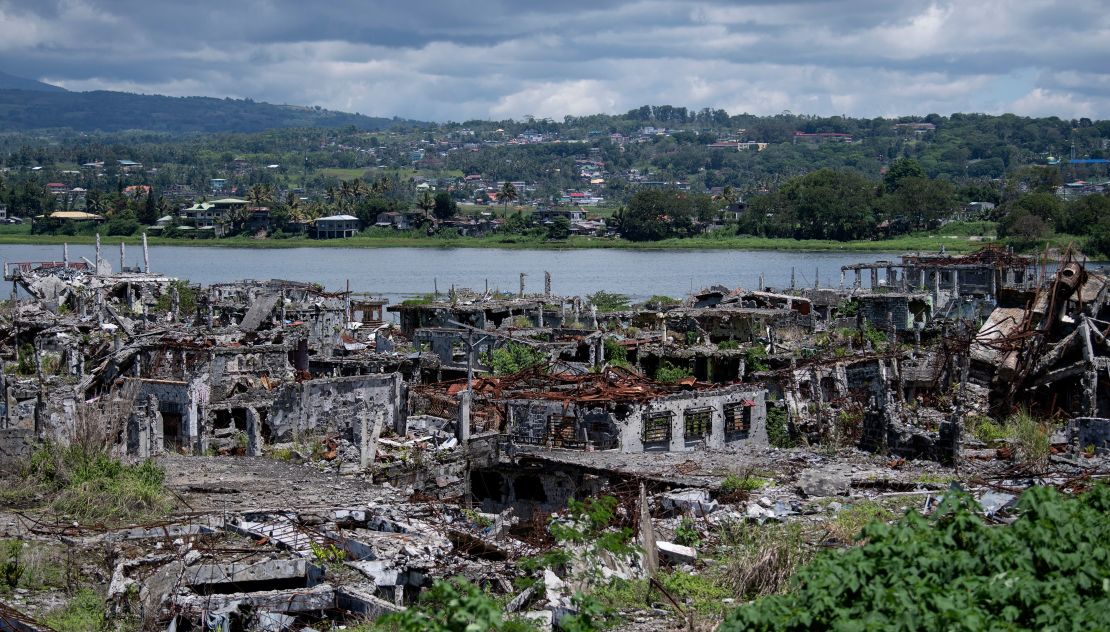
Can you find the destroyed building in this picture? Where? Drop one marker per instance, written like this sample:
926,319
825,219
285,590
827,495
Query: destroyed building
415,423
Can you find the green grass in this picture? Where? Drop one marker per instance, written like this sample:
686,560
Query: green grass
746,483
342,174
83,613
91,487
372,238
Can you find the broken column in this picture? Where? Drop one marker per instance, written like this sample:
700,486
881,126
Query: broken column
462,424
254,432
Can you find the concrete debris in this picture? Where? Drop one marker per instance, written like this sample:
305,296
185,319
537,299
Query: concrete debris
676,553
688,502
333,456
818,482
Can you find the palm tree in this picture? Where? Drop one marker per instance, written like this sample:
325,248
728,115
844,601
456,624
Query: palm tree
507,194
426,202
259,195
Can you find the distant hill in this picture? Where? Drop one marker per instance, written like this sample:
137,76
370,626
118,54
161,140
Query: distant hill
26,109
12,82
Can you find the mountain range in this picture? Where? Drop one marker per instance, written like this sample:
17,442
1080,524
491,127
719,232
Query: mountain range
26,104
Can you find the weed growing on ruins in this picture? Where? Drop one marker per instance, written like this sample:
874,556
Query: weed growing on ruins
760,560
659,300
33,565
686,533
668,372
186,299
11,566
728,345
453,605
755,359
608,301
850,521
476,518
985,429
745,483
513,358
88,485
327,553
1030,438
423,299
1046,570
615,353
85,612
877,338
778,432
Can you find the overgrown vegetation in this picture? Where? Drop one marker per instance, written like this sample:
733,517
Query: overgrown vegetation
615,353
85,612
88,485
453,605
667,372
746,483
778,431
514,357
1045,571
608,301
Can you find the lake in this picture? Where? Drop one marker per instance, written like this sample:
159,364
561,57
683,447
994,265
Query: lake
401,272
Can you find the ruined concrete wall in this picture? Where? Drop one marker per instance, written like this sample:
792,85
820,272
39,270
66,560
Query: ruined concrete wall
230,366
336,405
16,445
880,311
715,402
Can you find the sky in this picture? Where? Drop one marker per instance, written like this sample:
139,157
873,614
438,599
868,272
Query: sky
493,59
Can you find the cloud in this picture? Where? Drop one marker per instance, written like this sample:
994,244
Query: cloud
496,58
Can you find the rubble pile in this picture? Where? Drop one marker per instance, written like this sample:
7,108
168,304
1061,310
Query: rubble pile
329,465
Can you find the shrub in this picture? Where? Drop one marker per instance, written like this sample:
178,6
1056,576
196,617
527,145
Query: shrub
668,372
778,432
755,359
122,226
686,533
514,357
608,301
453,605
1046,570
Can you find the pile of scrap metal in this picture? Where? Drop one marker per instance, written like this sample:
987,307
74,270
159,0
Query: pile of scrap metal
1049,352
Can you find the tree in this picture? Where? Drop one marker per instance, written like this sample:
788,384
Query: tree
507,194
426,202
900,170
445,206
149,212
653,215
921,201
559,228
828,204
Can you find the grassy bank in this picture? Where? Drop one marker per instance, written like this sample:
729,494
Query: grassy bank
908,243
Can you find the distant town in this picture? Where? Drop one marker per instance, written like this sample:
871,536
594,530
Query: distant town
655,173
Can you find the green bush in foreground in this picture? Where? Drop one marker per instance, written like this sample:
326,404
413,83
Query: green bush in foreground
1049,570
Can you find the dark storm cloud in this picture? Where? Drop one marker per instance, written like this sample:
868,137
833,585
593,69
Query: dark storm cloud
487,58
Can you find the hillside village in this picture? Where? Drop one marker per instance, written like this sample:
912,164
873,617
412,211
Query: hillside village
639,177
